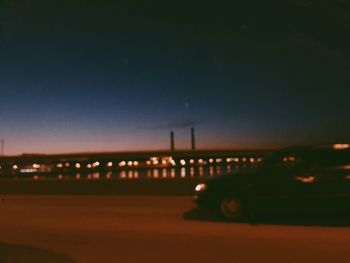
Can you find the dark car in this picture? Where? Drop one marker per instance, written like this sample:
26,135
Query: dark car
308,178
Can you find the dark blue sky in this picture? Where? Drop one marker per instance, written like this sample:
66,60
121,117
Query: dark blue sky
102,76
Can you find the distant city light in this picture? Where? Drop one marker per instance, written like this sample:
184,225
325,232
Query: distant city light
341,146
309,179
289,159
165,162
28,170
154,160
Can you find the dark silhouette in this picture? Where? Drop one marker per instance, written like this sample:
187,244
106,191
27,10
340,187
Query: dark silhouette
310,180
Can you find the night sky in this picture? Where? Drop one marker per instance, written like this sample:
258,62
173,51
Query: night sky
83,76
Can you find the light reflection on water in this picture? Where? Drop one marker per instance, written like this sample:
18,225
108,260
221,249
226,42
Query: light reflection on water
162,173
211,170
183,172
151,173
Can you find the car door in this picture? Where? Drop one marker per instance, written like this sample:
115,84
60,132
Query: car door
284,185
331,191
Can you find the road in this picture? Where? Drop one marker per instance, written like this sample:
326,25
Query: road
152,229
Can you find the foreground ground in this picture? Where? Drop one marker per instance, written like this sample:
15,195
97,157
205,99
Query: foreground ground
152,229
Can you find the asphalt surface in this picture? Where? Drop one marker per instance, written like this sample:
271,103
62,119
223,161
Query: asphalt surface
155,229
144,186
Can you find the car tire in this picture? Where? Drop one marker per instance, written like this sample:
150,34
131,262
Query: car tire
231,208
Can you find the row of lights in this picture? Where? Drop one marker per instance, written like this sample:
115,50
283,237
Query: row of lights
151,173
220,160
152,161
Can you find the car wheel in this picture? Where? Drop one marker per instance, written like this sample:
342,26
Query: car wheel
231,208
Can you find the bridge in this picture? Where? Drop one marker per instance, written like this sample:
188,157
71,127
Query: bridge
105,161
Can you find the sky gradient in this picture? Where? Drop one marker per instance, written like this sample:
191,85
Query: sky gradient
80,76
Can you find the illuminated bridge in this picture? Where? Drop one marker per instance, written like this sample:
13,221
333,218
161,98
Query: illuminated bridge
116,161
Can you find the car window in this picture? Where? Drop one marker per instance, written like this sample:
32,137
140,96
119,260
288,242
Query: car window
311,158
283,159
330,158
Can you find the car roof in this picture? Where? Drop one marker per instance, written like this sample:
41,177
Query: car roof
336,146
